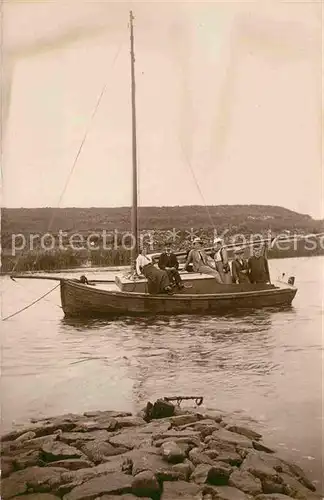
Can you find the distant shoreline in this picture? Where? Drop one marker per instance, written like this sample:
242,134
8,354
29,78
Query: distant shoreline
53,264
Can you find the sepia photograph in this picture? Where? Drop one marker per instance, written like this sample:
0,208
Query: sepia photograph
162,250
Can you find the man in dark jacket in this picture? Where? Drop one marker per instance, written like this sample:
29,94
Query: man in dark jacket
239,267
169,262
258,268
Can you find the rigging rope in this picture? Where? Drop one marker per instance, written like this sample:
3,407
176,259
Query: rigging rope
80,147
31,304
86,134
197,183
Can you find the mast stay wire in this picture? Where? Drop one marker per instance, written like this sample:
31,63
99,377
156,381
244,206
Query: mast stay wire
31,304
197,183
104,88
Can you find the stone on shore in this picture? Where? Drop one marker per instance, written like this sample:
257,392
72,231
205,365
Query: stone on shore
180,490
127,496
225,493
73,437
232,438
146,484
71,464
180,420
172,453
129,422
55,451
246,482
32,479
273,496
115,482
98,451
179,455
37,496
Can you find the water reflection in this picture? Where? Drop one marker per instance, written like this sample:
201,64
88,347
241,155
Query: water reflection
159,352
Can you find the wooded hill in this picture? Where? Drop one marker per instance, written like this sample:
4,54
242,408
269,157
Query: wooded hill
237,218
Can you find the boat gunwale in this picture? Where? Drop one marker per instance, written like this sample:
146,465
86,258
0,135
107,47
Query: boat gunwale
203,296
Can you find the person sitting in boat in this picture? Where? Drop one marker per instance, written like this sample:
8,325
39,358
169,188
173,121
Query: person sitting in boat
200,261
239,267
221,261
168,262
157,279
258,269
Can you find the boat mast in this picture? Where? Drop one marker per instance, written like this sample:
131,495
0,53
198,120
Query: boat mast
134,149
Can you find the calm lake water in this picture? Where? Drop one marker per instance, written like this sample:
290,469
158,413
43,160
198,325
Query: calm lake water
266,363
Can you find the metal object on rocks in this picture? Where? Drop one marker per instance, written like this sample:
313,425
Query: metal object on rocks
198,399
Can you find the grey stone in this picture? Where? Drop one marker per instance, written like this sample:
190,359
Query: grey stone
230,457
189,442
216,415
108,424
36,479
39,430
86,426
180,490
26,436
218,473
174,434
161,409
295,489
184,470
73,437
298,472
197,457
200,474
206,429
245,481
71,464
28,459
56,450
257,445
37,443
273,496
128,496
272,485
180,420
145,484
98,451
219,446
16,448
7,466
129,422
144,460
107,414
255,464
232,438
37,496
114,482
66,417
156,427
131,438
172,453
226,493
244,431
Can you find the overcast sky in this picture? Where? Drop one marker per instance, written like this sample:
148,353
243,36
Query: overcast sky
228,104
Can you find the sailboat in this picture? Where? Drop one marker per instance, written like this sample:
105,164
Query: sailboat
83,298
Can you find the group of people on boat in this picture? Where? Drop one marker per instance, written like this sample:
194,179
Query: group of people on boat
166,277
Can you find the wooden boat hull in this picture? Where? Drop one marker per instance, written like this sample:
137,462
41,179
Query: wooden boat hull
91,301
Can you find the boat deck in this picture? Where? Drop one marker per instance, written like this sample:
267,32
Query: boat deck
194,283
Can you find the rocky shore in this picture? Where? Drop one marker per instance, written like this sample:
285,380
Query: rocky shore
163,453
